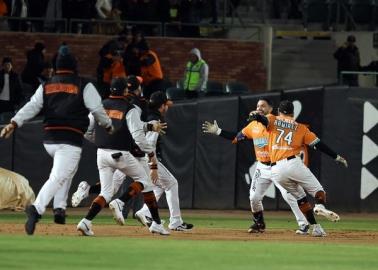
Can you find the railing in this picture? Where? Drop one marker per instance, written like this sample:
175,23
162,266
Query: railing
32,24
365,73
150,28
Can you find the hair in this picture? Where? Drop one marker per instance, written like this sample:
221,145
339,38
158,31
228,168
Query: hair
267,100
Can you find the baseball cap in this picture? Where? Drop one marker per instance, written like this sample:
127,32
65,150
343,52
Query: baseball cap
159,98
65,59
133,82
118,85
286,107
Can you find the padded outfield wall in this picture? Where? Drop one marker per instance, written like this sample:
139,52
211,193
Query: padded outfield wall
214,174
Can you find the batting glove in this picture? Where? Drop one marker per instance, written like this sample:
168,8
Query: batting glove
208,127
341,160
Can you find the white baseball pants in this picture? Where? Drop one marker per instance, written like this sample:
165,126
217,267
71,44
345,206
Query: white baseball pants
167,183
66,162
261,181
295,177
127,164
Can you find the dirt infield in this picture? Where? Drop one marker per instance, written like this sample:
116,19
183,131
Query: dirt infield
196,234
201,233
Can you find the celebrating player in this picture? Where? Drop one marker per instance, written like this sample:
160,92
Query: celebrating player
262,177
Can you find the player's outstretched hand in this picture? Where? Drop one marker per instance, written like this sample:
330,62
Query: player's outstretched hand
341,160
7,131
208,127
159,127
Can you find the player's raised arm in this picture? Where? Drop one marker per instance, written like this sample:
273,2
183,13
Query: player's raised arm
213,128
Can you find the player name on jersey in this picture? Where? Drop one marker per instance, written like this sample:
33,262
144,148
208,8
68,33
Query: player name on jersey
285,124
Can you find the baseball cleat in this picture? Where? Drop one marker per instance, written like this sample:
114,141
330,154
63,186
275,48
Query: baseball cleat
303,229
80,194
182,227
257,228
116,206
85,227
33,218
59,215
144,220
158,228
320,210
317,231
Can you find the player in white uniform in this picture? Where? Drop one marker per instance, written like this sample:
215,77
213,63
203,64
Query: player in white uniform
66,103
114,154
262,178
166,183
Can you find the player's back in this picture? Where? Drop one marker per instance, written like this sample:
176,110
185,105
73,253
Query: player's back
287,137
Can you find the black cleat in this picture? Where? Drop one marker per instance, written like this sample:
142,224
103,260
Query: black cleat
257,228
33,218
59,216
183,227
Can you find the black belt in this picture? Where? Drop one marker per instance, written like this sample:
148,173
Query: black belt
288,158
266,163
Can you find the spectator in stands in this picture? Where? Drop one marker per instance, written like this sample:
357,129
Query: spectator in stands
151,71
3,8
34,65
53,13
3,12
110,64
19,9
348,59
131,57
196,74
47,73
10,90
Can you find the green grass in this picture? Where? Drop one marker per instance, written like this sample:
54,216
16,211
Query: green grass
69,252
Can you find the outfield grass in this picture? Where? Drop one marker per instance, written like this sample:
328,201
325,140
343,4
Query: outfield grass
68,252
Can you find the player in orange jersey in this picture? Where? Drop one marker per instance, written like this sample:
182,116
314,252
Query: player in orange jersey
261,179
286,137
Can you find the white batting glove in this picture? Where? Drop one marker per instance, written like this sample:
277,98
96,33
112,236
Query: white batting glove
341,160
208,127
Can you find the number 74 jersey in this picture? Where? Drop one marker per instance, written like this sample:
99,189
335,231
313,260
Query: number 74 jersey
287,137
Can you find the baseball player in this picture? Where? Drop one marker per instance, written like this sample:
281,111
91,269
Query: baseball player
286,137
262,177
114,154
66,102
166,183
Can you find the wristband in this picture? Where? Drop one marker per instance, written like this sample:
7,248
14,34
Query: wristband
153,166
14,124
150,127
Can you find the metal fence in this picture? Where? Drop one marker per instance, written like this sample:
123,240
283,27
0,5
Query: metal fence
150,28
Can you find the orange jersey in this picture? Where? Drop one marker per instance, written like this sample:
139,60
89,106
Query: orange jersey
287,137
257,132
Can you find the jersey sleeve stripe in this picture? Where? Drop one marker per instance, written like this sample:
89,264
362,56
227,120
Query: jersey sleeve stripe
314,142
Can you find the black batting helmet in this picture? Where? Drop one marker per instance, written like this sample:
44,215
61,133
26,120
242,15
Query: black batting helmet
118,86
